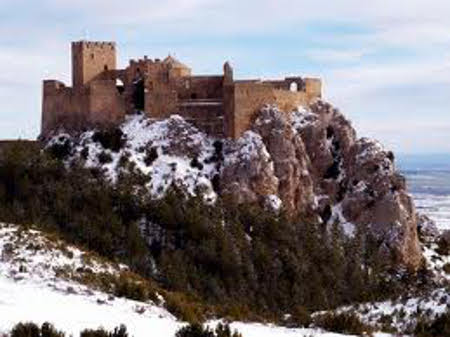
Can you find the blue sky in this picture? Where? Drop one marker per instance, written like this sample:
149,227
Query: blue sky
385,64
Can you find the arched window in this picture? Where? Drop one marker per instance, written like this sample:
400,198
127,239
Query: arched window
105,68
293,87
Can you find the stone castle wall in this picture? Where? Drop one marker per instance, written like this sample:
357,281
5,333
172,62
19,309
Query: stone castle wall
102,95
69,108
90,59
248,97
62,107
106,105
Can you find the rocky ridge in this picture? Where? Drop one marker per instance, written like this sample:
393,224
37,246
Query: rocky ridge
308,162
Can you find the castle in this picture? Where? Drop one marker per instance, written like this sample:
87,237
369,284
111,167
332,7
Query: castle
101,95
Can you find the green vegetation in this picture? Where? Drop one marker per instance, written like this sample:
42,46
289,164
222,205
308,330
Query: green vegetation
238,261
120,331
348,323
47,330
32,330
37,188
112,139
196,330
438,327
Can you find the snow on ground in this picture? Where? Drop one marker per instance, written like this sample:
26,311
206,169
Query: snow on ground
248,147
436,262
27,254
274,202
32,291
72,313
169,151
337,215
29,301
302,118
269,330
402,313
174,142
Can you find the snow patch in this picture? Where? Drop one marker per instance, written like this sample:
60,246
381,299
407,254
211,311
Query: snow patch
174,143
337,215
274,202
302,118
249,146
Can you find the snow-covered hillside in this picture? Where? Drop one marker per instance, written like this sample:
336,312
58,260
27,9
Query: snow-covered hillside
36,285
308,162
403,313
33,290
163,150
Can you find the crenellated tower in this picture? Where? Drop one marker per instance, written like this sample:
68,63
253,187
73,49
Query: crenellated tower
90,59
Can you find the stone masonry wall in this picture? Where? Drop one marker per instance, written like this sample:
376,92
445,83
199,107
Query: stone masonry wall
106,105
90,59
217,104
206,114
72,109
250,97
62,107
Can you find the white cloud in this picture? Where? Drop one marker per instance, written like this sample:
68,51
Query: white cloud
367,78
379,90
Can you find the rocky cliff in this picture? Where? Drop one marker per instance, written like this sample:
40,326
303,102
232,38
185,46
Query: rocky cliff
307,162
314,163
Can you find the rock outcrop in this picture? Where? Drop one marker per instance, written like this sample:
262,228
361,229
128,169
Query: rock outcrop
320,168
309,162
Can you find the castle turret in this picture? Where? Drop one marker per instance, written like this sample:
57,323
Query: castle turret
228,73
90,59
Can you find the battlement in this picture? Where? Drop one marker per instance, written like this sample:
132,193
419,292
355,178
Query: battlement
101,95
101,44
53,86
90,59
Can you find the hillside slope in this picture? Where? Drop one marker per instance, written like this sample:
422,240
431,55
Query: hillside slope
307,162
33,290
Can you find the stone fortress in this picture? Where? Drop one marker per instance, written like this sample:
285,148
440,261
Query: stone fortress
102,95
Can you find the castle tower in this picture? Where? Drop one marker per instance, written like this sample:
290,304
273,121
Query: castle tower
89,59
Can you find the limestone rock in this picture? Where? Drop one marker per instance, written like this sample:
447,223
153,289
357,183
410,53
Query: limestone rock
428,231
248,171
312,160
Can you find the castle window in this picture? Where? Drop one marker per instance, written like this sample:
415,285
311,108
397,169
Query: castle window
120,86
92,56
105,67
293,87
193,96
